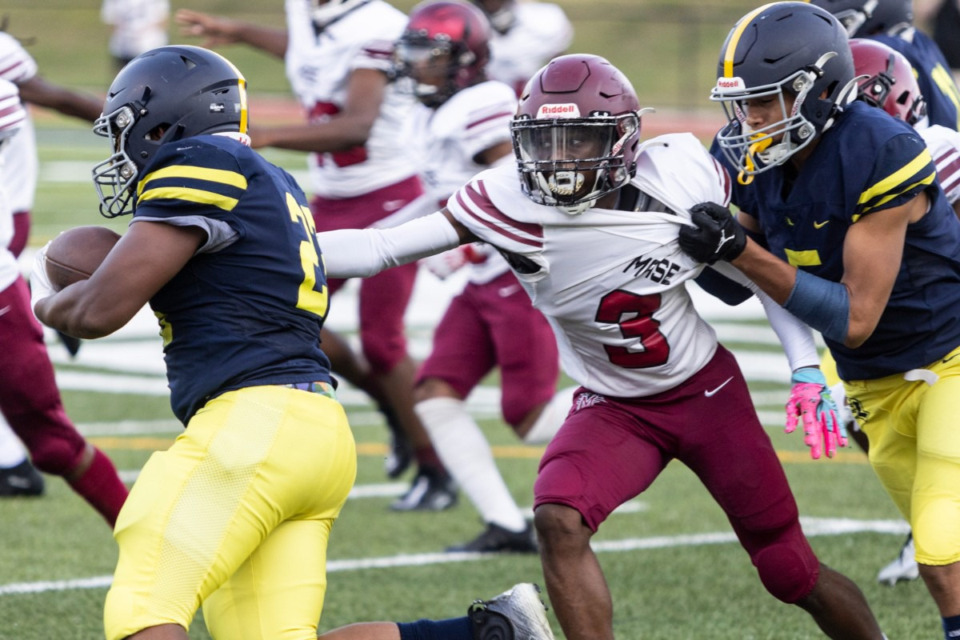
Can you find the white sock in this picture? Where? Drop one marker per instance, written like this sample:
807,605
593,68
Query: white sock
551,418
466,454
12,451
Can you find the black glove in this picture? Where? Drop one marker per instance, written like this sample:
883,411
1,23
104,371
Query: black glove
716,236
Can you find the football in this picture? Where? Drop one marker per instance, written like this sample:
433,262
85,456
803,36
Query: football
76,253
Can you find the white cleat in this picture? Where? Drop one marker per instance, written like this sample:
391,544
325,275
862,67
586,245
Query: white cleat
517,614
904,567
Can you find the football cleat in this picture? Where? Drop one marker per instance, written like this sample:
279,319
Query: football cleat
71,344
21,480
400,455
432,490
517,614
904,566
496,538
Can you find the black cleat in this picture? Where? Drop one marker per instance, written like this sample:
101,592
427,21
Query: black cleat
432,490
21,480
71,344
400,456
517,614
496,538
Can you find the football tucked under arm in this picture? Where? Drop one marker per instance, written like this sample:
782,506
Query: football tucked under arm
360,253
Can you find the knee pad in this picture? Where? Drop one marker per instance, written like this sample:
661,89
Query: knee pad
786,572
383,350
56,451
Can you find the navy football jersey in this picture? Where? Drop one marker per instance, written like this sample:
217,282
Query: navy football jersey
933,77
867,162
248,307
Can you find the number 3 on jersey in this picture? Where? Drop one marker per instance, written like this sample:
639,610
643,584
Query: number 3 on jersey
310,297
634,314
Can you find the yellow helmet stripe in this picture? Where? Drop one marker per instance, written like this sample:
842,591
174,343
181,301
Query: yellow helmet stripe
242,84
734,40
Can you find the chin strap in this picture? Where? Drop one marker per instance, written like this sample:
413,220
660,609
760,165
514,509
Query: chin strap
755,149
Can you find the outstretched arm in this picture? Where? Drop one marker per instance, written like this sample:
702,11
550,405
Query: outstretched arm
350,253
38,91
219,30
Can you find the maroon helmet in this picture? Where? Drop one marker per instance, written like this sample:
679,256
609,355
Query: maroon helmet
889,83
444,48
576,132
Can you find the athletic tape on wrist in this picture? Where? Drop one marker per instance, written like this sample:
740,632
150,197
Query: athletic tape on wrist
822,304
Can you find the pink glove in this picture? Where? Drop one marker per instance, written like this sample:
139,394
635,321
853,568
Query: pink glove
811,403
444,264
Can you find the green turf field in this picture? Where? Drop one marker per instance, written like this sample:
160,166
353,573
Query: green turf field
673,567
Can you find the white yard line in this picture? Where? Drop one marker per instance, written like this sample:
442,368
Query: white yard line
812,527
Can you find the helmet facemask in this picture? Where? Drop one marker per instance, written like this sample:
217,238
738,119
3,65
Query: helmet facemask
432,67
571,163
115,178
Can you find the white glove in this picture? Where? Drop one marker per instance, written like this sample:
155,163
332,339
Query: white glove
444,264
40,286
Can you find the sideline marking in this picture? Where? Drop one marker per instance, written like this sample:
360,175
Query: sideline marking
811,527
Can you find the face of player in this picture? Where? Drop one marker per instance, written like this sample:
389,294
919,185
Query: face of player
427,66
766,111
574,152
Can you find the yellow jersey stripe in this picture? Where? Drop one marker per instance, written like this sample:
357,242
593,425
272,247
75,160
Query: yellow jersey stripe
928,180
230,178
191,195
738,30
906,172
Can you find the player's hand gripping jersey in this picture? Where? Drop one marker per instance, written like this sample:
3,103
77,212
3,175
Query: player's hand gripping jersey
610,282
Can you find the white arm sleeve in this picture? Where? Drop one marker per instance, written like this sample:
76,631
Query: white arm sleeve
352,253
795,336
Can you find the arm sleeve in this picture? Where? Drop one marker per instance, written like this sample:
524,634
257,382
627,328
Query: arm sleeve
351,253
795,336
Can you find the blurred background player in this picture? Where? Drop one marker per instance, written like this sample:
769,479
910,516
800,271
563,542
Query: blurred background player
891,22
29,398
941,18
462,128
338,58
138,26
526,35
18,179
886,80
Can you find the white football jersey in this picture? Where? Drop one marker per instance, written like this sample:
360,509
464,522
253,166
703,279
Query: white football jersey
610,282
139,25
9,270
318,67
19,154
944,146
541,32
448,138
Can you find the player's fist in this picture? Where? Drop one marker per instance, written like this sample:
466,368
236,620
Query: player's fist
444,264
715,234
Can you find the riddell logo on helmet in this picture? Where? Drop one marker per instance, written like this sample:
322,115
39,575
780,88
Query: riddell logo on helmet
730,84
568,110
